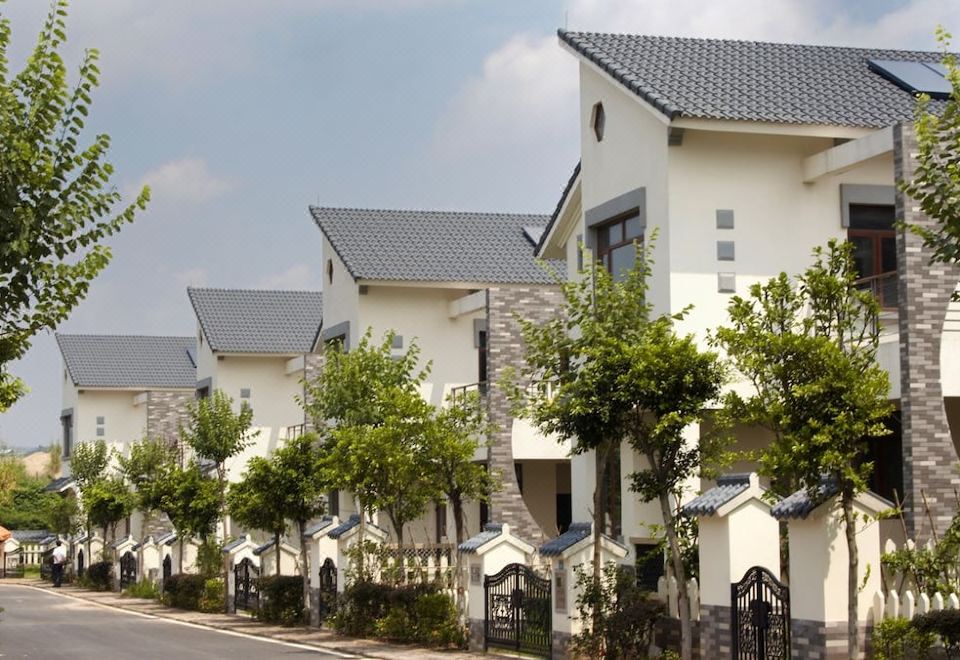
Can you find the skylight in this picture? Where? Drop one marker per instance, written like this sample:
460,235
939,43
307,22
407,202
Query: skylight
915,77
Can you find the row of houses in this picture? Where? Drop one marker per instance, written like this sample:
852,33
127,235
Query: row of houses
743,155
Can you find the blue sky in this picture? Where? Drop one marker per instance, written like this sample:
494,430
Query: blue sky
240,113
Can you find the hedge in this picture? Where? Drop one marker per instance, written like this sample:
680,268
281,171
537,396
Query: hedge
98,576
281,600
193,592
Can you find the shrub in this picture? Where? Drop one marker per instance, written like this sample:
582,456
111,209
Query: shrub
945,624
184,590
417,613
98,576
616,614
281,600
899,639
213,594
143,589
209,559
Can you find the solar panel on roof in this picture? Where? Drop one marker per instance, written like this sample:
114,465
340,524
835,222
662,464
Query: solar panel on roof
915,77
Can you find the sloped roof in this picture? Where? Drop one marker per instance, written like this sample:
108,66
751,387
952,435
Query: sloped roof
129,360
574,534
344,526
59,485
322,524
728,487
29,535
567,189
434,246
801,503
490,532
258,320
754,81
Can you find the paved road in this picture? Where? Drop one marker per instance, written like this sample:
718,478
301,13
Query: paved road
45,626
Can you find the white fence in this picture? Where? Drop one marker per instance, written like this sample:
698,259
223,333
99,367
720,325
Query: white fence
902,598
668,592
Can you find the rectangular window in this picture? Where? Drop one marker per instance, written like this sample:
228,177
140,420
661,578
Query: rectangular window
615,244
650,566
482,356
67,423
875,250
441,516
334,503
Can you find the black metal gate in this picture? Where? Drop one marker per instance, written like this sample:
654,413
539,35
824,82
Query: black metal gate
761,616
81,563
167,567
518,611
246,594
328,588
128,570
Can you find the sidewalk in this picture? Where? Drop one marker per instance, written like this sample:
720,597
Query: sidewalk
323,639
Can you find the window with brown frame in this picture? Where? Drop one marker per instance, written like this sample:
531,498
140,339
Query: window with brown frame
615,244
875,250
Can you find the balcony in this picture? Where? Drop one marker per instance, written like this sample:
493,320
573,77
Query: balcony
884,288
460,395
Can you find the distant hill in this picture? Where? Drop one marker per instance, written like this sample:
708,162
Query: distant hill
37,463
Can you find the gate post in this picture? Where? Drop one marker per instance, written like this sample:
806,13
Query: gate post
319,547
565,553
818,568
488,553
236,552
736,533
120,547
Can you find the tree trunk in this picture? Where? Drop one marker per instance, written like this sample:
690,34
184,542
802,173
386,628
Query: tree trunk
458,522
180,559
276,544
600,464
401,559
222,478
362,568
304,570
853,587
686,636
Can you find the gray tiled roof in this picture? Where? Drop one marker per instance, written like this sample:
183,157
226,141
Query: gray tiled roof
490,532
234,544
344,526
728,487
59,485
323,523
802,502
754,81
29,535
574,534
434,246
258,320
128,360
556,211
167,539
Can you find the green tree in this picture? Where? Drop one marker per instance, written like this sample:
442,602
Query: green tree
374,423
303,486
108,501
809,350
191,501
12,473
608,369
57,202
149,460
256,501
28,506
88,464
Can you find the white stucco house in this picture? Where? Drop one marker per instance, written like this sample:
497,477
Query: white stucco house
252,345
745,156
451,282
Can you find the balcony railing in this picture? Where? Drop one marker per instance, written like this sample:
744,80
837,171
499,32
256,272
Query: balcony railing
460,395
883,287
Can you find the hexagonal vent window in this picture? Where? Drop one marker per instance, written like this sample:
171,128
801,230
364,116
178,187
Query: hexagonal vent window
599,120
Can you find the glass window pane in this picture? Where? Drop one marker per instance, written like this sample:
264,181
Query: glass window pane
616,233
863,257
871,216
622,260
888,253
633,227
603,238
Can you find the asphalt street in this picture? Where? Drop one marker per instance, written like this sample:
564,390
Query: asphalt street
42,625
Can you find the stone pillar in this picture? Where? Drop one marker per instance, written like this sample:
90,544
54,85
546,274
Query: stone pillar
166,413
737,528
818,570
234,553
505,349
320,547
312,365
929,454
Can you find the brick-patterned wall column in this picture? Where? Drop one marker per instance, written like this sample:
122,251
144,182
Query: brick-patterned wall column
312,365
929,456
505,349
715,640
166,413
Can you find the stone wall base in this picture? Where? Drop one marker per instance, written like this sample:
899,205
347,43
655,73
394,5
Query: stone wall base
666,635
561,646
818,640
315,607
476,634
715,640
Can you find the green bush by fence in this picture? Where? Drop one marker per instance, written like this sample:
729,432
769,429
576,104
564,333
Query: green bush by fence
98,576
281,600
193,592
416,614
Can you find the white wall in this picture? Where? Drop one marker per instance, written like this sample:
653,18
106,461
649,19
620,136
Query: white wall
124,422
206,360
633,154
341,302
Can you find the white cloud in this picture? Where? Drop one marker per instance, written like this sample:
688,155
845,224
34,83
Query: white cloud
298,276
526,96
188,180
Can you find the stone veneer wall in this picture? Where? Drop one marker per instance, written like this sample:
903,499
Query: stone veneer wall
816,640
167,412
929,455
505,349
667,637
715,640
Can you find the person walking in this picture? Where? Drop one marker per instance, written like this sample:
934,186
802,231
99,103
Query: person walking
59,559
